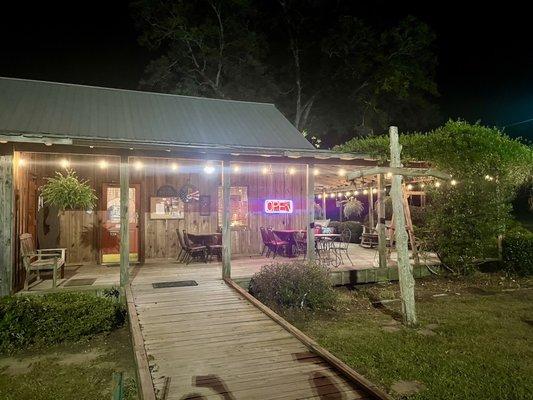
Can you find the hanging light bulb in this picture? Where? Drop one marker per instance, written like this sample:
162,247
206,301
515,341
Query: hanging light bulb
339,194
389,175
453,182
365,191
341,172
316,171
103,164
209,169
348,194
332,195
292,171
319,196
409,187
374,190
64,163
138,165
356,193
174,166
236,168
437,184
422,185
22,162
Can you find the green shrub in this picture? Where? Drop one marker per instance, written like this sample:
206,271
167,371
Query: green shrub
55,317
294,285
518,252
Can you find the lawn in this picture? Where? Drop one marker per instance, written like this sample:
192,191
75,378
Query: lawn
81,371
474,340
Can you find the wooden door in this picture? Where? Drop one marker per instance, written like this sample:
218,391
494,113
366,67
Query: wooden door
110,237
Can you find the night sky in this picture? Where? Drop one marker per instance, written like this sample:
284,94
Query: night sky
485,53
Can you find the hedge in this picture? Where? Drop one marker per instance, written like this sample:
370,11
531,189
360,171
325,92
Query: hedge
518,252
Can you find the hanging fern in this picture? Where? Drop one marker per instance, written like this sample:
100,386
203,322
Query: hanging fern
68,192
353,208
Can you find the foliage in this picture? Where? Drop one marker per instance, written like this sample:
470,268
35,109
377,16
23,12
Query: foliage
463,221
356,229
353,208
468,342
54,318
518,251
68,192
297,285
333,74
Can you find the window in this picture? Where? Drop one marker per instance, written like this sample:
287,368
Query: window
238,206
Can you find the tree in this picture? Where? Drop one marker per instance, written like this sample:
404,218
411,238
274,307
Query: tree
331,73
463,220
207,48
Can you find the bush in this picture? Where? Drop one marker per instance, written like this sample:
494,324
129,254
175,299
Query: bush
518,252
55,317
294,285
356,228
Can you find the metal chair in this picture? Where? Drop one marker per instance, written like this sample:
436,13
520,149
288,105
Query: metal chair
343,244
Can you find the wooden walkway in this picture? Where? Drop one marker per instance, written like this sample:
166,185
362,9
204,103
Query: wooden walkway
214,344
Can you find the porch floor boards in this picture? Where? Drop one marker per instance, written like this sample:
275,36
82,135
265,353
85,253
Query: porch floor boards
210,340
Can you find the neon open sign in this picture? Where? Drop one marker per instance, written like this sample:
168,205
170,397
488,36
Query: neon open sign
275,206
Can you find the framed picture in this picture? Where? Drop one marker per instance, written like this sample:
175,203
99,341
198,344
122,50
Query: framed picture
205,205
166,208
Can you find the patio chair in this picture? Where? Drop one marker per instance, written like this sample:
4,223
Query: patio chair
192,250
300,243
214,248
266,241
275,243
343,244
40,260
369,237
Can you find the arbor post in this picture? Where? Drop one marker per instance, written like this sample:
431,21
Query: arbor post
6,224
405,272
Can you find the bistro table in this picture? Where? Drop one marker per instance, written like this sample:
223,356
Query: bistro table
287,235
326,250
213,241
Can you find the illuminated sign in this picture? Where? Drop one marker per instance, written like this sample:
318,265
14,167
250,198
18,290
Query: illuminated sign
274,206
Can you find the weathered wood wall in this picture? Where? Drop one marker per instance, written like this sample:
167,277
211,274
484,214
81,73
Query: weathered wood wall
80,230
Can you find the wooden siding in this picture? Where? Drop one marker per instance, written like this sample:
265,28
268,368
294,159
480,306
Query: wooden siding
80,230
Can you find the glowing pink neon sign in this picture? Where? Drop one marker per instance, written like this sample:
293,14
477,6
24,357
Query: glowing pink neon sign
275,206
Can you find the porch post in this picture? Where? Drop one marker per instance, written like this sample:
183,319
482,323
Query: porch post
310,205
124,220
382,237
7,219
226,229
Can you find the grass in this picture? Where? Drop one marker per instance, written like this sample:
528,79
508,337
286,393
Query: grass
81,371
474,339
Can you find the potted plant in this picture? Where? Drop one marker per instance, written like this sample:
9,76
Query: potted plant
68,192
353,208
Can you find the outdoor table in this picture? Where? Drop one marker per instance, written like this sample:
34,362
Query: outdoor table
325,249
287,235
210,240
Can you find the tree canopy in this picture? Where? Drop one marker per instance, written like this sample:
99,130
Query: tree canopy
463,221
334,74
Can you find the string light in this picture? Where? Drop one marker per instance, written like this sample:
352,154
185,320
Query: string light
389,175
174,166
209,169
138,165
319,196
409,187
339,194
103,164
332,195
365,191
437,184
348,194
236,168
422,185
264,170
64,163
316,171
453,182
356,193
341,172
374,190
22,162
292,171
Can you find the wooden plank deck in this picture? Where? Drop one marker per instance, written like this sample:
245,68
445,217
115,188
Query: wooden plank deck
213,343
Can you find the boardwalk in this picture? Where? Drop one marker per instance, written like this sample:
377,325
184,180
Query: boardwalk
214,344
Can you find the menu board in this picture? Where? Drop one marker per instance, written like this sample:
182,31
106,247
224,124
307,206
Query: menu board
166,208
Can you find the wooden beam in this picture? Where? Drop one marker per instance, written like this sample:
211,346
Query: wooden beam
226,227
124,220
423,172
382,236
310,197
405,272
6,224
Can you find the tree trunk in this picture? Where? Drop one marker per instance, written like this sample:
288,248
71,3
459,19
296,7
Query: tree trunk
405,273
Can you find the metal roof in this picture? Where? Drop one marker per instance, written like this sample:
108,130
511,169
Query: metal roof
86,112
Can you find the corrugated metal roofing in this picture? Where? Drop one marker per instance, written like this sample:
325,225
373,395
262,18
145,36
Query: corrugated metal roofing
76,111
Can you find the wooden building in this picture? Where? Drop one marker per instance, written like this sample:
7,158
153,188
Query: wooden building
196,164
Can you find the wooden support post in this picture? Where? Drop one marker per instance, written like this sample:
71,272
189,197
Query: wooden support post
124,220
371,221
310,196
405,272
6,224
410,227
324,206
226,228
382,235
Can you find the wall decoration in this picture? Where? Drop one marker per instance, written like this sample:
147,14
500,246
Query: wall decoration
238,207
166,208
189,192
167,191
277,206
205,205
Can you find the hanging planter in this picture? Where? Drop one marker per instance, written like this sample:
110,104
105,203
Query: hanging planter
68,192
353,209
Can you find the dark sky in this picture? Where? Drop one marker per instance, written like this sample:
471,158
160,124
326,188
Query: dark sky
485,52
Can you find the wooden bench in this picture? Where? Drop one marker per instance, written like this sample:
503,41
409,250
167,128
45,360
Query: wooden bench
40,260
